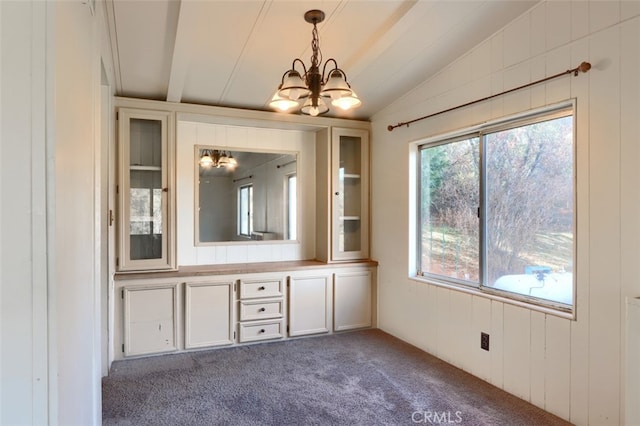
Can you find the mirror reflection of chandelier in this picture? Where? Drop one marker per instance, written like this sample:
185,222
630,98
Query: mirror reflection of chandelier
310,88
217,158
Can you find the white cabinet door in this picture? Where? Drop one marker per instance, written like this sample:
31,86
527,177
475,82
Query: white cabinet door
150,320
208,314
146,196
350,199
309,306
352,300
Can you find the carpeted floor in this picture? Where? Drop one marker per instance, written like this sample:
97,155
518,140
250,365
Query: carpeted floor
359,378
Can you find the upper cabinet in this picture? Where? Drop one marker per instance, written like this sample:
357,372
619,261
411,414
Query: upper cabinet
343,194
145,190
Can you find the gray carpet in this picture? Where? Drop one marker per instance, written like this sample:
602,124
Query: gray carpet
359,378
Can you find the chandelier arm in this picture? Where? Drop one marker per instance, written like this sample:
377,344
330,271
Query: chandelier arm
335,67
344,74
293,65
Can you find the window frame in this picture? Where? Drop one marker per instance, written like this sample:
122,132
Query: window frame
291,227
564,109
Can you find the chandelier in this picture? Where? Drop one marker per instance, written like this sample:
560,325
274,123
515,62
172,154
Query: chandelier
216,158
310,87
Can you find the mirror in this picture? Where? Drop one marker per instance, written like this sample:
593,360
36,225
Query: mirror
245,195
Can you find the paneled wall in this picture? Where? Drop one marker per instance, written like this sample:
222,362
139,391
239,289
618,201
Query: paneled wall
49,144
573,368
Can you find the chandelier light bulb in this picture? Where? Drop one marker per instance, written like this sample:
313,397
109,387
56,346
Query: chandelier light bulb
281,103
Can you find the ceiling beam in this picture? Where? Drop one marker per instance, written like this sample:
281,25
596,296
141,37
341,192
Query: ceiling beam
186,32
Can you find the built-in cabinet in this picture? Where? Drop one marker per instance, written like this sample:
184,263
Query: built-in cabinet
352,295
182,311
150,319
342,194
208,314
145,190
161,308
309,304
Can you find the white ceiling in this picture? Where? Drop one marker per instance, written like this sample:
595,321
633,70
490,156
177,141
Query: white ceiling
233,53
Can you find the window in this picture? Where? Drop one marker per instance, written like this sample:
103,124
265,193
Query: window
496,209
292,218
245,210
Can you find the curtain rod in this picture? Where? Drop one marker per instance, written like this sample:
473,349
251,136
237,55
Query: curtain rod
285,164
583,67
242,178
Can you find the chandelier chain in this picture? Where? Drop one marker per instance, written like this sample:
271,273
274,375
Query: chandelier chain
316,57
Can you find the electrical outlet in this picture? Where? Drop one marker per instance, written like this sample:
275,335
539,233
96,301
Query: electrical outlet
484,341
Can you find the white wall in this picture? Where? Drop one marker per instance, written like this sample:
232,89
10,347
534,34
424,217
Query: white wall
570,368
24,333
190,134
75,130
49,316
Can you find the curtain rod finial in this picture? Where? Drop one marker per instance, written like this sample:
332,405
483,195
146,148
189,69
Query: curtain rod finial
390,127
584,67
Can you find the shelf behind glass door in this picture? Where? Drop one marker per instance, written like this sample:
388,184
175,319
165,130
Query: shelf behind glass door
350,195
145,182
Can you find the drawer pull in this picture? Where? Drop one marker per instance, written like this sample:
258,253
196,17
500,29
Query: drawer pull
261,288
262,330
261,309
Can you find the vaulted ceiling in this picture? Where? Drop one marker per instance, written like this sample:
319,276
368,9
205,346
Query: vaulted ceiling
233,53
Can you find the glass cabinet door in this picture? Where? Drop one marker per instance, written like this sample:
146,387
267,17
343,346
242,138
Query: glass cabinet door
350,158
144,190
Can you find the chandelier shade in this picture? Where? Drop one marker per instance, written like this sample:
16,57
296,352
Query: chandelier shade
314,110
293,87
347,102
308,87
336,86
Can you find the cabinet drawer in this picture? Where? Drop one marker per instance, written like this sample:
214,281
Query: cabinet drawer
261,288
264,331
262,309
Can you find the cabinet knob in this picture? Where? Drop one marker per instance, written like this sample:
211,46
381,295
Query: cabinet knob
261,310
165,189
261,288
262,330
337,193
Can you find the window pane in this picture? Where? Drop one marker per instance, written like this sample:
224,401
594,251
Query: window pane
449,200
529,210
245,210
292,224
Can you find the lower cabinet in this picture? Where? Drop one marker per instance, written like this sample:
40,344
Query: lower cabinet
166,314
150,322
309,304
208,314
352,300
